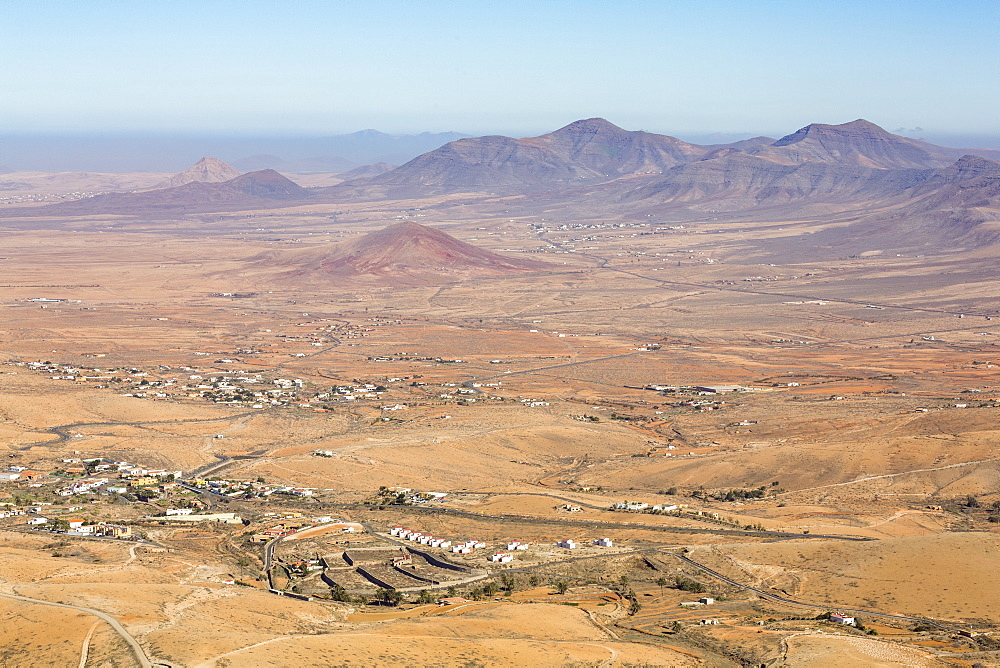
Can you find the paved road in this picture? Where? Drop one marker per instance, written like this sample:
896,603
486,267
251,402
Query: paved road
815,606
603,524
140,655
561,365
603,264
268,558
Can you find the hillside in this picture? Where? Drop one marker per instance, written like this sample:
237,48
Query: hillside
265,188
591,150
402,251
858,143
206,170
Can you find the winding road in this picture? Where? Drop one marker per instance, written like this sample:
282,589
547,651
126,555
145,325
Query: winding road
137,650
814,606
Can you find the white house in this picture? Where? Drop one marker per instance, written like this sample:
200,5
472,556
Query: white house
841,618
666,508
38,520
501,557
569,544
604,542
630,505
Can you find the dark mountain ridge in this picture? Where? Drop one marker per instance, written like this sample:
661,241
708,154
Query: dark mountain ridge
590,150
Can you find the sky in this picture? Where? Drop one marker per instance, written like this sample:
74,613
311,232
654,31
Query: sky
519,68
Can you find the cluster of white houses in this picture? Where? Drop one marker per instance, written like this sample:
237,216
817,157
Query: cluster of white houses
637,506
424,539
571,544
465,547
82,528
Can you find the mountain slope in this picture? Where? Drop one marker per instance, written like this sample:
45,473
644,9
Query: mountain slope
591,150
859,143
206,170
403,252
265,189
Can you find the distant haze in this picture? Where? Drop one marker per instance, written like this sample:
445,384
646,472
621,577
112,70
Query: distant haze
157,152
172,153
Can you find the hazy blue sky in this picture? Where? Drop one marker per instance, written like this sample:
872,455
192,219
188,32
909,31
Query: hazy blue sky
509,67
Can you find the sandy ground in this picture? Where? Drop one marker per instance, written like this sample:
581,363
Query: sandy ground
856,432
819,651
942,577
507,635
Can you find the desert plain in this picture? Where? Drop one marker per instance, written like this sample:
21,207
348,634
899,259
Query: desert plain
246,419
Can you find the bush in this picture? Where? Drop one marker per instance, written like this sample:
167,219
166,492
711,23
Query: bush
684,584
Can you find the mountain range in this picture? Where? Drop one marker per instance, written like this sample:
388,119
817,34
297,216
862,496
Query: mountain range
874,182
595,150
852,169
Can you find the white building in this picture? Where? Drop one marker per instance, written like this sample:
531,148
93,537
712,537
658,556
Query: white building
841,618
569,544
501,557
604,542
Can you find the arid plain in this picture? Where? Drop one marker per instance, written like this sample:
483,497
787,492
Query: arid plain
818,430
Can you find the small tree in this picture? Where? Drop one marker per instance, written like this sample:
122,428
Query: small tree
661,582
425,597
490,589
390,597
534,581
561,586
